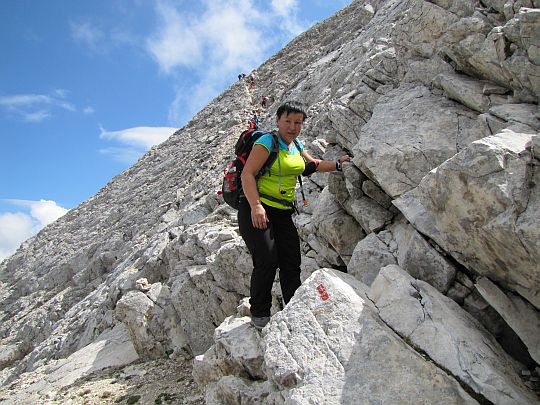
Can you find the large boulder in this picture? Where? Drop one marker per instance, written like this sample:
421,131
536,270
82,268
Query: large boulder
420,259
411,132
232,369
370,254
401,244
482,207
199,310
328,346
361,198
152,321
507,55
453,339
338,228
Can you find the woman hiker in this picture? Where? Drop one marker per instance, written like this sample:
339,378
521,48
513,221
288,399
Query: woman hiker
265,214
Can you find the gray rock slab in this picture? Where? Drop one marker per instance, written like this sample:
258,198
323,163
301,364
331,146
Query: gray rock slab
518,314
333,224
467,91
482,208
238,341
113,348
371,216
134,310
9,354
366,210
375,193
421,260
411,132
528,21
232,267
369,256
195,307
328,346
234,390
527,114
452,338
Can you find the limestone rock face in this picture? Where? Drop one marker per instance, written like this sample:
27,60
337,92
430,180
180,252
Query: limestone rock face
369,255
339,229
113,348
411,132
330,346
478,206
525,321
435,219
451,337
401,244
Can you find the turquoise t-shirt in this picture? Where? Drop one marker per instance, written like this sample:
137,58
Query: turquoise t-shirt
282,174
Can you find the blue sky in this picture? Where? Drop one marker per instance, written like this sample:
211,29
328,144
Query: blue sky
86,87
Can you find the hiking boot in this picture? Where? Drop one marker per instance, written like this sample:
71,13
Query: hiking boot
259,322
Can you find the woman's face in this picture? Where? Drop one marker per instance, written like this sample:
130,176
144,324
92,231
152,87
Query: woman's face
289,125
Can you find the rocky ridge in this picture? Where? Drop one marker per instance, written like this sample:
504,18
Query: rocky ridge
434,221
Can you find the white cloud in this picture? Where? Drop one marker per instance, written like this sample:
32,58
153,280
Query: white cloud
226,33
287,10
137,140
88,35
24,100
188,102
36,107
231,35
176,42
141,137
284,7
16,227
120,37
177,109
88,110
36,116
101,40
226,38
45,212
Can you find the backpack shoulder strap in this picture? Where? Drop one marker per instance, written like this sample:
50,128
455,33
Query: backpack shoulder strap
272,156
275,141
297,143
304,200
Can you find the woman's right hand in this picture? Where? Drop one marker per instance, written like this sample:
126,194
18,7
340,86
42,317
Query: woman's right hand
259,217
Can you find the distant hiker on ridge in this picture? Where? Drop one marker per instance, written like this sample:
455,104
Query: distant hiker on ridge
265,211
252,124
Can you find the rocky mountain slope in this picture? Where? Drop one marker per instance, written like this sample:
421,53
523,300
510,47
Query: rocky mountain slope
434,223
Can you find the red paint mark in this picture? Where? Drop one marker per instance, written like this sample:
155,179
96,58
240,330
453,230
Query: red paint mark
322,292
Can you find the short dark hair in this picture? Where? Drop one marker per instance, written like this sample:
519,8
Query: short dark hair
291,107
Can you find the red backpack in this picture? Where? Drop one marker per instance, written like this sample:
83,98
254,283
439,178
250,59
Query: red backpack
231,188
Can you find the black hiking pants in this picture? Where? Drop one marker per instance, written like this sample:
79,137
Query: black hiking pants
276,246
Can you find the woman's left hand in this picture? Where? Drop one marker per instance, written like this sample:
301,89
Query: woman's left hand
344,158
